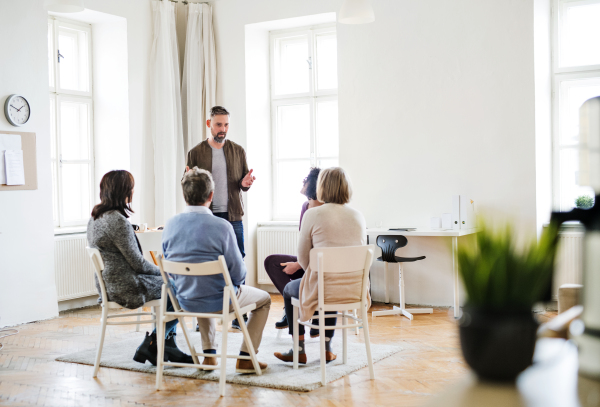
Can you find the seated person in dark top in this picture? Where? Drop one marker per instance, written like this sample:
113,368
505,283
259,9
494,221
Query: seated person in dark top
130,280
283,268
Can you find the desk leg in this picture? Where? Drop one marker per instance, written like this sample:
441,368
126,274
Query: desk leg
455,276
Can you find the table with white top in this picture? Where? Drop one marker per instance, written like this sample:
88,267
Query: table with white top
451,233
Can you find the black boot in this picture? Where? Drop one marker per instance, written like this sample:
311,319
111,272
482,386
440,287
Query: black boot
282,323
236,325
148,350
173,353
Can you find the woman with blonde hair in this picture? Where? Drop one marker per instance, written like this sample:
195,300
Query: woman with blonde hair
334,224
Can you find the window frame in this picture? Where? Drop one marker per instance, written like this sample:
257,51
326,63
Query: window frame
558,76
312,97
58,94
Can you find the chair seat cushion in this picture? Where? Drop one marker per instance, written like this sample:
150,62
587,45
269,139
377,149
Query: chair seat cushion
404,259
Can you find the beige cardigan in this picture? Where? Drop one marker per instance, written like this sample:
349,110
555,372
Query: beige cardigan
329,225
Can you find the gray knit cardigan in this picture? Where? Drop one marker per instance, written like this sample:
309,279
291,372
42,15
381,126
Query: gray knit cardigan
130,279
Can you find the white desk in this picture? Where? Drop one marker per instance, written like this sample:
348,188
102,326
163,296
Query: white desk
454,234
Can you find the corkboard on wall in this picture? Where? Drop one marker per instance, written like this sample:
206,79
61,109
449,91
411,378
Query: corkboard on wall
28,145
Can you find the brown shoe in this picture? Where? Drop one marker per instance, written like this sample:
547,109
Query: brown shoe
210,361
246,367
289,357
330,357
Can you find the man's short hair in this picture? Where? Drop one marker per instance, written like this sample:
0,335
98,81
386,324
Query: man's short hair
218,110
333,186
197,184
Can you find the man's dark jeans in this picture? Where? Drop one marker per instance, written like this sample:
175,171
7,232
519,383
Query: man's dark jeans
292,290
238,228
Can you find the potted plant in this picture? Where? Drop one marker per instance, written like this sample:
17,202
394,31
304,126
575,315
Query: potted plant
584,202
498,329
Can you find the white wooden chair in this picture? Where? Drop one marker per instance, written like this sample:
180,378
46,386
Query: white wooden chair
108,305
151,243
201,269
338,260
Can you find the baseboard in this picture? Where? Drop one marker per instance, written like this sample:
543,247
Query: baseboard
77,303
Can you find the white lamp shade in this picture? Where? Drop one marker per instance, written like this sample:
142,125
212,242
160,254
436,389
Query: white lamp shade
356,12
64,6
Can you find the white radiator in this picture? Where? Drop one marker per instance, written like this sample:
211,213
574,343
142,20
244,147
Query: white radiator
73,268
569,260
274,240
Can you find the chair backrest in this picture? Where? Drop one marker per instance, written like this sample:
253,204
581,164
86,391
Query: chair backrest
389,244
98,268
208,268
342,260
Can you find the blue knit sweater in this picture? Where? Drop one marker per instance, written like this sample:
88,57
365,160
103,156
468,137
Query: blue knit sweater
198,236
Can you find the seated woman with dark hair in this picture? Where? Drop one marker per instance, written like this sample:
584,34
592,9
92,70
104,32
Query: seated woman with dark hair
283,268
130,280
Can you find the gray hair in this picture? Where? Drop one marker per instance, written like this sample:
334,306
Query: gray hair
197,184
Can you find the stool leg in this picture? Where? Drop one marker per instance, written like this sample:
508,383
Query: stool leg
385,279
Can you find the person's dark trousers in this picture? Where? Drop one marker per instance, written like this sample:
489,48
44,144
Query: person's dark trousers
238,228
274,269
292,290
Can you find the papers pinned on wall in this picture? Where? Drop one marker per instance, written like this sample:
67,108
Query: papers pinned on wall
10,142
15,171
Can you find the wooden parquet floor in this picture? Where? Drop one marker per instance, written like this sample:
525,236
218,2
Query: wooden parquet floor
29,375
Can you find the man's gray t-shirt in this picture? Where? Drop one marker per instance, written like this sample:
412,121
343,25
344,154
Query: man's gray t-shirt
219,173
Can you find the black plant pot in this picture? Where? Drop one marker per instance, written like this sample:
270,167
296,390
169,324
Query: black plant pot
497,345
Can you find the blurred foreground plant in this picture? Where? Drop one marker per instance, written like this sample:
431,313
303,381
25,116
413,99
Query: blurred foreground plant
498,277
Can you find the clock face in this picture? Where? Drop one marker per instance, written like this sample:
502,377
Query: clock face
17,110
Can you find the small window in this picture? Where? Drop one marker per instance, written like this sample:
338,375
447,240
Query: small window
304,106
576,78
71,122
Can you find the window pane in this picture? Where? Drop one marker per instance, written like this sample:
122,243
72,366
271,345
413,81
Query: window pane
572,95
74,130
327,129
291,65
50,55
73,66
326,61
52,127
293,131
288,199
569,179
75,195
580,35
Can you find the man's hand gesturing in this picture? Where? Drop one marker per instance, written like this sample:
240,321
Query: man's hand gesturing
248,180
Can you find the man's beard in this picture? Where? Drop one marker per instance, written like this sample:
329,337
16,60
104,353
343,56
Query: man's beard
220,137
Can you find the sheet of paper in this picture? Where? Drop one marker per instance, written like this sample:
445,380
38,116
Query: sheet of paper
15,171
7,142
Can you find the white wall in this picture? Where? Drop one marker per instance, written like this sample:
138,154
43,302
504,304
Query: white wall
27,289
435,98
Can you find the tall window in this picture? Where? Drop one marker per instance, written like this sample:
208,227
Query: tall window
304,111
69,60
576,74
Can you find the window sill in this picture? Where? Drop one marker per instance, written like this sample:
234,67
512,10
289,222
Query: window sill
279,223
70,230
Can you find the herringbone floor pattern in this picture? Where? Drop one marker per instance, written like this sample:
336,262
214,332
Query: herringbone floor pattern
29,376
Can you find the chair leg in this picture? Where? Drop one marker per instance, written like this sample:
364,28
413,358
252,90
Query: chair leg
322,338
223,378
160,344
190,345
356,315
401,276
345,337
280,331
296,337
365,323
103,321
155,312
139,318
385,279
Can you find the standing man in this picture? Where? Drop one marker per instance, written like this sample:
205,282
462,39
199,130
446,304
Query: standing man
226,161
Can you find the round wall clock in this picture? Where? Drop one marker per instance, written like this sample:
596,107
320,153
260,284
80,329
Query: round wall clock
17,110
